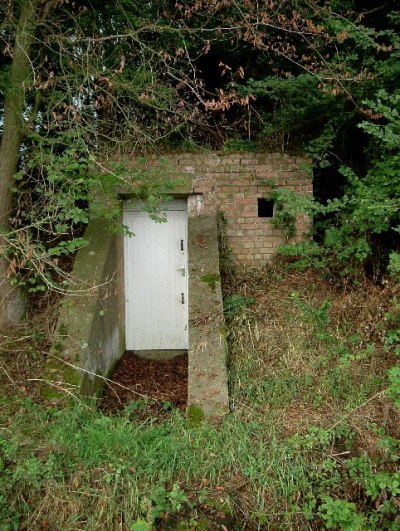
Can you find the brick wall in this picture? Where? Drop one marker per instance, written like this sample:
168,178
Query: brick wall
231,184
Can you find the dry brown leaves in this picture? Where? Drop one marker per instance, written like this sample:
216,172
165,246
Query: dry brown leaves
281,339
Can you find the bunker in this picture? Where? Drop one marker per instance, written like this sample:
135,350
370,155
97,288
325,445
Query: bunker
156,286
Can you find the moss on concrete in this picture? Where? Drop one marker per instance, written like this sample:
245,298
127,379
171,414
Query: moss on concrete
195,415
89,332
58,373
91,388
211,279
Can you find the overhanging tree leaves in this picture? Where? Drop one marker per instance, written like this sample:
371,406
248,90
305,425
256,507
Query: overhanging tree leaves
105,77
80,81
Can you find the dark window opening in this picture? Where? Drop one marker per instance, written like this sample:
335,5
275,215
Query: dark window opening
265,208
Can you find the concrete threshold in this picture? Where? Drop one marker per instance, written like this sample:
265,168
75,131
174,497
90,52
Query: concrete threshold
158,354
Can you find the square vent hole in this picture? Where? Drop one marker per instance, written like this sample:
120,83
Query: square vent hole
265,208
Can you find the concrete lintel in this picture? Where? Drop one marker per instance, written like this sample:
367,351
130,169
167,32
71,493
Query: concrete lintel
207,385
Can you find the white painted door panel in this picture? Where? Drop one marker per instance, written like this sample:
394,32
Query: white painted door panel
156,309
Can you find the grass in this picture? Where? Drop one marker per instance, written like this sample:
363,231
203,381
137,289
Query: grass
312,440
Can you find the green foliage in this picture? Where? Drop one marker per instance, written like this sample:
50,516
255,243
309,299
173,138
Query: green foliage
382,487
394,387
159,504
288,205
370,207
140,525
340,514
57,181
294,101
234,305
354,226
391,337
385,106
394,264
52,193
135,407
317,316
303,255
301,382
239,145
320,148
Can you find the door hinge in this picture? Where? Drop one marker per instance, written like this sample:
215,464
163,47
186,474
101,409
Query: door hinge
182,298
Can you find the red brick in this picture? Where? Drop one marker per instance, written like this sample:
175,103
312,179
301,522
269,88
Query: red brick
248,161
232,183
249,201
246,225
246,214
231,160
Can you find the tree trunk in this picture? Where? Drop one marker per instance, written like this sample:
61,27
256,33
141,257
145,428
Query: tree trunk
14,130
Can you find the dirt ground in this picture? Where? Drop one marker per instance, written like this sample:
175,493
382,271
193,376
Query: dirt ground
156,385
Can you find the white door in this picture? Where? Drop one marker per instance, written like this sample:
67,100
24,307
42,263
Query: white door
156,283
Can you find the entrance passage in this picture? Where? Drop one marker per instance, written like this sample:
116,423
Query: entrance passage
156,283
158,382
